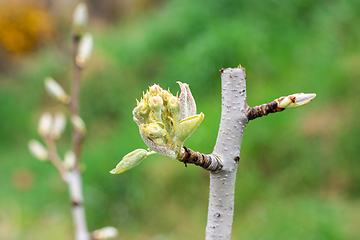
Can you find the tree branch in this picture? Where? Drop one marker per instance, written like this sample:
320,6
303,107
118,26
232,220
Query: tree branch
206,161
227,149
74,176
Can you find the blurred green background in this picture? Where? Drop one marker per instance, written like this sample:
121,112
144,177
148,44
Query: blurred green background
299,173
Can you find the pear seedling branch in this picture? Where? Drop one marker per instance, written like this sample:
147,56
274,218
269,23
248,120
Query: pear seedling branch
165,121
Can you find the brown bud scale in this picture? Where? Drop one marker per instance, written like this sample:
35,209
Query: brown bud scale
263,110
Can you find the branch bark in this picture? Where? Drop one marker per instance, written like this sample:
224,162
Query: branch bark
74,176
227,149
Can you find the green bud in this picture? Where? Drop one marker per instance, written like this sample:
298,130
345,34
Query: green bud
131,160
187,126
155,89
153,130
165,95
155,103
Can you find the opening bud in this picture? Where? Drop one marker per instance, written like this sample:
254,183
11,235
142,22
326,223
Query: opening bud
295,100
38,150
85,49
131,160
45,124
56,91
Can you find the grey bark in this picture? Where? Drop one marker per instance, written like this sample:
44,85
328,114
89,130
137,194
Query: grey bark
227,149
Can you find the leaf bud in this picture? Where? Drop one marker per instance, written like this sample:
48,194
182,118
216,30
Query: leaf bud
295,100
187,126
130,160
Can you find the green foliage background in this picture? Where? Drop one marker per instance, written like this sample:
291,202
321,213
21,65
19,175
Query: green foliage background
299,173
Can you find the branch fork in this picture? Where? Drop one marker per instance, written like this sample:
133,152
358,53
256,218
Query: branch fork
159,124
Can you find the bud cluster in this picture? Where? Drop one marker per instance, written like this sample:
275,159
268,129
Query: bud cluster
165,121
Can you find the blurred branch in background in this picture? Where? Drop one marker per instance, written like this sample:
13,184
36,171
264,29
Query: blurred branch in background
50,129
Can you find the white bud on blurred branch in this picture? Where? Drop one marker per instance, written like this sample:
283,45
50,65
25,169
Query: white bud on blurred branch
58,125
56,91
80,18
38,150
78,124
69,160
45,124
85,49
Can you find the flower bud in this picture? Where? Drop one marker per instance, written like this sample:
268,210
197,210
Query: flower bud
166,95
105,233
153,130
80,18
58,125
45,123
38,150
155,89
56,91
78,124
187,126
85,49
155,103
131,160
173,104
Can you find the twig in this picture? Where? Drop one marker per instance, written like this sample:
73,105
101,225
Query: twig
75,188
74,104
206,161
54,157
